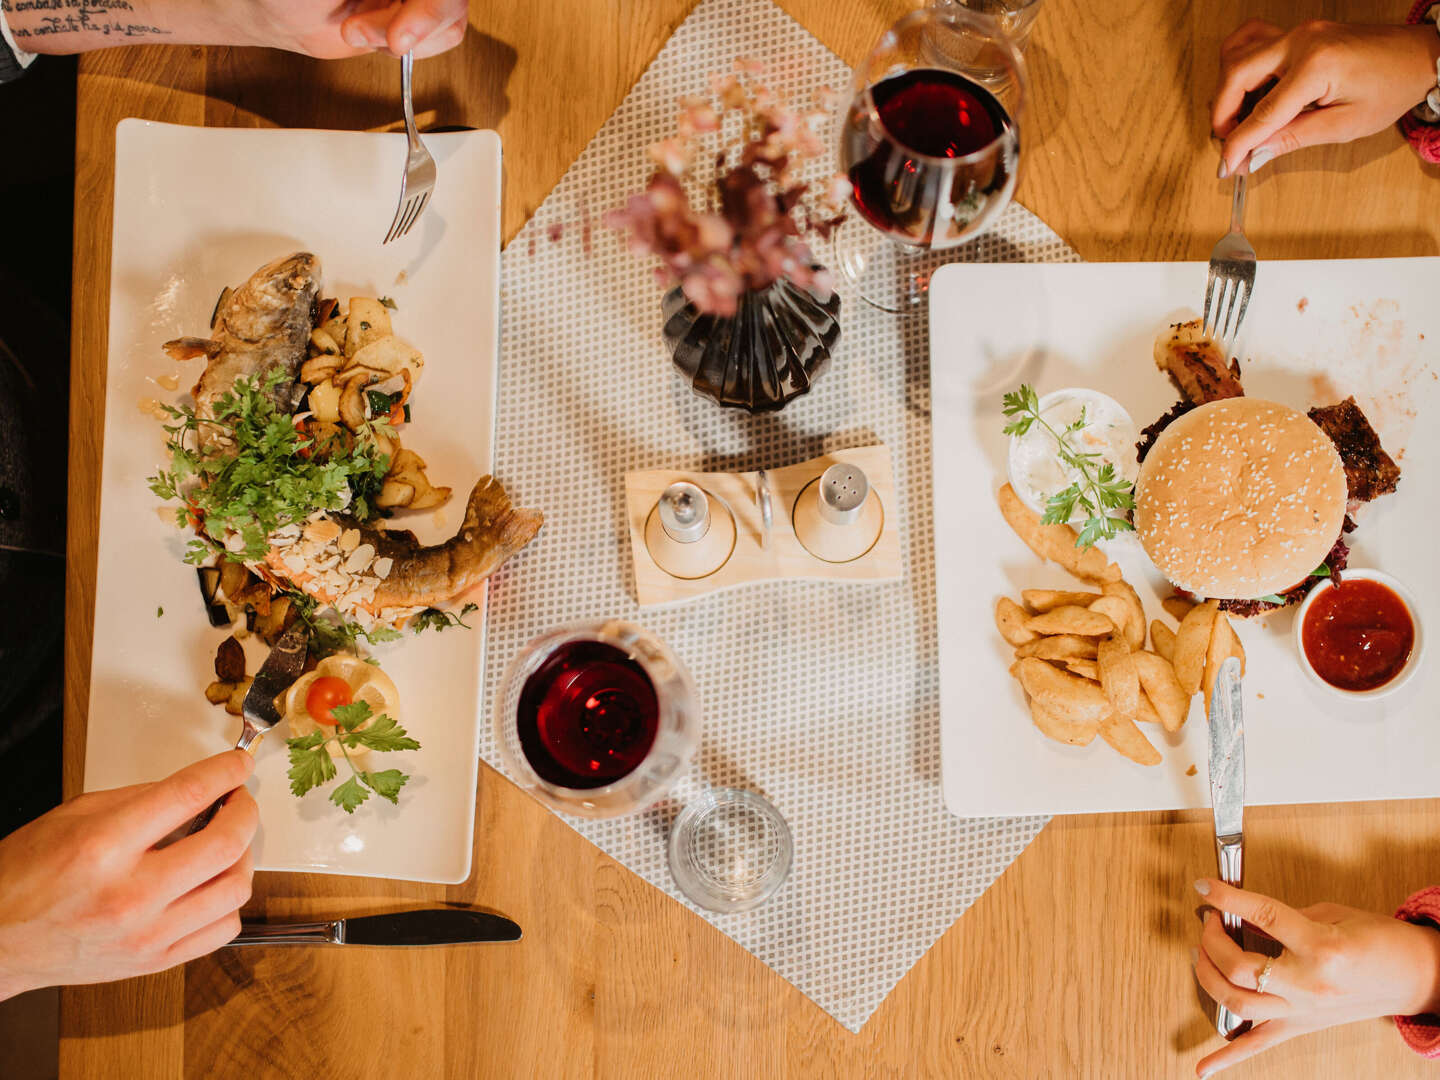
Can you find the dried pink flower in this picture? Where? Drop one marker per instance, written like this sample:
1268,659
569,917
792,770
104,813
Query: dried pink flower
749,233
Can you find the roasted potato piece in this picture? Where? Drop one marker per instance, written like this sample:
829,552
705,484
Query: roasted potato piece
1157,677
1086,669
1071,620
1122,734
1116,610
1041,600
234,580
1163,640
1010,621
1055,542
325,401
390,355
368,321
1192,641
1177,607
394,494
319,368
256,597
218,693
1059,647
1135,626
274,623
323,343
1118,677
236,703
352,405
1223,645
1067,696
430,498
230,661
1061,730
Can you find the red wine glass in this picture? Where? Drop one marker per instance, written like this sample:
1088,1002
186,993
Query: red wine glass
931,146
596,720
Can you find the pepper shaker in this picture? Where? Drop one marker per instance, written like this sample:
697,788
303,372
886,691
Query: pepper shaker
689,533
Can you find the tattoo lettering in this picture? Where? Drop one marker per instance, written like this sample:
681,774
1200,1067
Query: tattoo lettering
78,17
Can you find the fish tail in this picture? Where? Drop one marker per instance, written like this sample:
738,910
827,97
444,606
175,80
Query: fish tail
492,517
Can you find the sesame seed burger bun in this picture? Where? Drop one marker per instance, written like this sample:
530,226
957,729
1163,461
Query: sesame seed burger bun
1240,498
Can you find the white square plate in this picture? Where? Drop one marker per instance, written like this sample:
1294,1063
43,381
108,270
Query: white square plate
1315,332
197,209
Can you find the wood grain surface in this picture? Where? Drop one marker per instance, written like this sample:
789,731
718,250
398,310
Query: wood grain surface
1075,963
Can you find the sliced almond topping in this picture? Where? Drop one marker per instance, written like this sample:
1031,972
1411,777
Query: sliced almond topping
381,566
324,531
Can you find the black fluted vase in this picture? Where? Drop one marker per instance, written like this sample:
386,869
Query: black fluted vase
769,352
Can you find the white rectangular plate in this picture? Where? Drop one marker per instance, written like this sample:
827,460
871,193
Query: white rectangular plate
197,209
1315,332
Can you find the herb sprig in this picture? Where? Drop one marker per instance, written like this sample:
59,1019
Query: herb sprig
441,620
331,632
264,477
1098,491
311,764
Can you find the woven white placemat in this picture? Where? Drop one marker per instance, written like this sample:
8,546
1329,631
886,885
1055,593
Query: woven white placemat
824,698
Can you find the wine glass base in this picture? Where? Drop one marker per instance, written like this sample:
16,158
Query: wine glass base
888,275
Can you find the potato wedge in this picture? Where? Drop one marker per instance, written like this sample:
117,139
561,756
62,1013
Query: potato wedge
1070,620
1222,646
319,368
1010,621
1157,678
1054,542
394,494
1041,600
1067,696
234,580
1147,713
1122,735
1237,650
1059,647
390,355
1162,639
1116,610
1118,677
1177,607
1135,625
218,693
352,405
325,401
430,498
324,344
1086,669
1061,730
1192,641
358,373
236,702
367,321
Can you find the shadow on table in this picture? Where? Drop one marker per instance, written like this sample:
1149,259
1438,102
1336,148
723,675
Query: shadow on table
464,87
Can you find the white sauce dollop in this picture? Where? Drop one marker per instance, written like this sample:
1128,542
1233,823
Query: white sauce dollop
1036,471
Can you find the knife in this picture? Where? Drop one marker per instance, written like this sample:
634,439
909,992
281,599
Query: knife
259,712
429,926
1227,797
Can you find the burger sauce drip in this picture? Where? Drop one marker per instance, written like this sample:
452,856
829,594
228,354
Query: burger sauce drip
1358,635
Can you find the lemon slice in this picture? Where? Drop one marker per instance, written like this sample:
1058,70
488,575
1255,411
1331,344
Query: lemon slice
367,683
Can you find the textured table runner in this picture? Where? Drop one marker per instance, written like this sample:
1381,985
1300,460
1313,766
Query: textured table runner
823,697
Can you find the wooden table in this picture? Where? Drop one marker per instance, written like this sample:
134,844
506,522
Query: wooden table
1075,963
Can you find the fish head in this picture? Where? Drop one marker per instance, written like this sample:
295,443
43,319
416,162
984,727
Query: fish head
277,298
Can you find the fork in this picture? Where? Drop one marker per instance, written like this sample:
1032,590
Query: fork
419,179
1232,264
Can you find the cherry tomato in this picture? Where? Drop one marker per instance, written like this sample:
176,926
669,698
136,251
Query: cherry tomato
326,693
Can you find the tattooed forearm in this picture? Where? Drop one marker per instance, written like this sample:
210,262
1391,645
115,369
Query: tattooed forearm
72,25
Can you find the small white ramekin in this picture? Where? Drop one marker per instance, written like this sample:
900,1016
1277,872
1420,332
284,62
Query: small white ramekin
1417,651
1082,393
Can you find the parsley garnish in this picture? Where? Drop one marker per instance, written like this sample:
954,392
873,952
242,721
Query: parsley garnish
159,611
1099,489
441,620
311,764
331,632
260,481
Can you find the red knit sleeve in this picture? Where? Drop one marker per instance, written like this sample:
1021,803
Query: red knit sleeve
1421,1033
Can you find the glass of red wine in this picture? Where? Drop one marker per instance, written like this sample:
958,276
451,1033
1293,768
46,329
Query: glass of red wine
931,146
596,720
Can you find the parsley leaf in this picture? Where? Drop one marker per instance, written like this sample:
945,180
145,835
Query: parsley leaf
1102,494
310,765
434,618
386,784
350,794
351,716
383,734
1271,598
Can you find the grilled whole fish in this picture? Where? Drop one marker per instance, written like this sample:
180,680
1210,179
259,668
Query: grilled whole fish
439,575
262,326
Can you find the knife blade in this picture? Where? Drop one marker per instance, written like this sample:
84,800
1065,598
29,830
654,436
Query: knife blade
258,711
1227,801
426,927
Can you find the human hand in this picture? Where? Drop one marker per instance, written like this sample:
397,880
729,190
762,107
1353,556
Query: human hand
329,29
1339,965
1336,82
86,897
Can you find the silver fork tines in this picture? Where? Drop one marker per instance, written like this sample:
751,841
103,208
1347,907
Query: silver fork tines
419,179
1232,264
